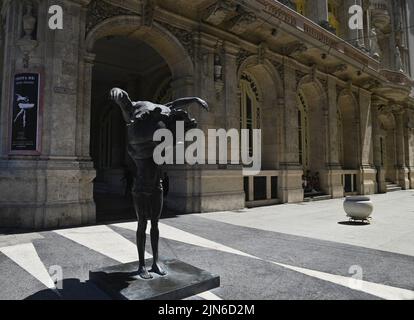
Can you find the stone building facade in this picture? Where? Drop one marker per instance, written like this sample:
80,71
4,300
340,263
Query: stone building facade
331,101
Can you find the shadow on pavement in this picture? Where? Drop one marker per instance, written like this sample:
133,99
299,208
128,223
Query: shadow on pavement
72,289
354,223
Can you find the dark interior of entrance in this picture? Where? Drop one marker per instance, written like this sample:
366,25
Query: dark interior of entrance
132,65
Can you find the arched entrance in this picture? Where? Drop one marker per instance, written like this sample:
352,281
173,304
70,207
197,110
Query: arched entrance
260,87
147,63
311,124
348,142
388,150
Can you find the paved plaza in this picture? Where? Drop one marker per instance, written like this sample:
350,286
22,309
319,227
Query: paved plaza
292,251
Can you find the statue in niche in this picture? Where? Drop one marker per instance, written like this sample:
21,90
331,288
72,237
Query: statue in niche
29,22
374,45
143,119
398,60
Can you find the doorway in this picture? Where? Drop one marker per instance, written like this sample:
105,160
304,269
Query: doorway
130,64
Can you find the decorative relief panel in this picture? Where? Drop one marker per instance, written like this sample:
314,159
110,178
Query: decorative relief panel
184,36
99,10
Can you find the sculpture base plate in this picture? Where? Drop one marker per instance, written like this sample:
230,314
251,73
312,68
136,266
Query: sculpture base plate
121,282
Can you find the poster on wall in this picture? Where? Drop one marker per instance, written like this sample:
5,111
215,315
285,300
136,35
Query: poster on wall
25,120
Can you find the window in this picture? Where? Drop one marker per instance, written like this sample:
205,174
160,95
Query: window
301,7
249,107
333,15
340,137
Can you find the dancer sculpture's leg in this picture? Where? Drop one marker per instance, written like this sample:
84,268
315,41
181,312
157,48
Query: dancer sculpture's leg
157,205
140,205
155,235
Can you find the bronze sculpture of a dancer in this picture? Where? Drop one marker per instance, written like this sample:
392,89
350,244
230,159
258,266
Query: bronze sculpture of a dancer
143,119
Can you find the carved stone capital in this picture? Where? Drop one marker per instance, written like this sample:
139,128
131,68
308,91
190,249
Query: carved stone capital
295,49
218,12
242,22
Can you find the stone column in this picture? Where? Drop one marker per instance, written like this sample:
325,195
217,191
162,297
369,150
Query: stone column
376,141
290,187
403,179
409,147
333,184
317,10
85,112
368,184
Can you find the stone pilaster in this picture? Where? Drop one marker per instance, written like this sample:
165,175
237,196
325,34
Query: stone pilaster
368,183
402,170
333,180
195,188
376,140
291,177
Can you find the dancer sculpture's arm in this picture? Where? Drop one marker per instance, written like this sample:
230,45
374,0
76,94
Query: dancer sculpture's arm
122,99
177,104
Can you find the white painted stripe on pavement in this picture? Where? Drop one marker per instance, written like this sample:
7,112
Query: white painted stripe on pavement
379,290
172,233
104,240
208,295
25,255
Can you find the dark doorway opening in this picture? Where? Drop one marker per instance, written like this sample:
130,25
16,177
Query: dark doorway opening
132,65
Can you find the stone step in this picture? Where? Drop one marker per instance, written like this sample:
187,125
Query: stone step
317,198
393,189
392,185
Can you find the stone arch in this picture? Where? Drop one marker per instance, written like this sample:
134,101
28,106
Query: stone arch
264,70
348,127
164,41
317,107
388,149
269,82
158,37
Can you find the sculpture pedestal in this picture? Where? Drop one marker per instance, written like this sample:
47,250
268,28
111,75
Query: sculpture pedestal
120,282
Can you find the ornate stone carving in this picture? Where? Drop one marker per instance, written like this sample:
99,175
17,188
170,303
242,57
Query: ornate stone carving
371,84
398,60
374,46
184,36
299,75
280,69
324,83
28,41
218,12
242,22
99,10
313,73
295,49
252,84
148,10
241,56
29,22
261,52
339,68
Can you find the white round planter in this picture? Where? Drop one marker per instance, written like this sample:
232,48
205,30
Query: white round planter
358,208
